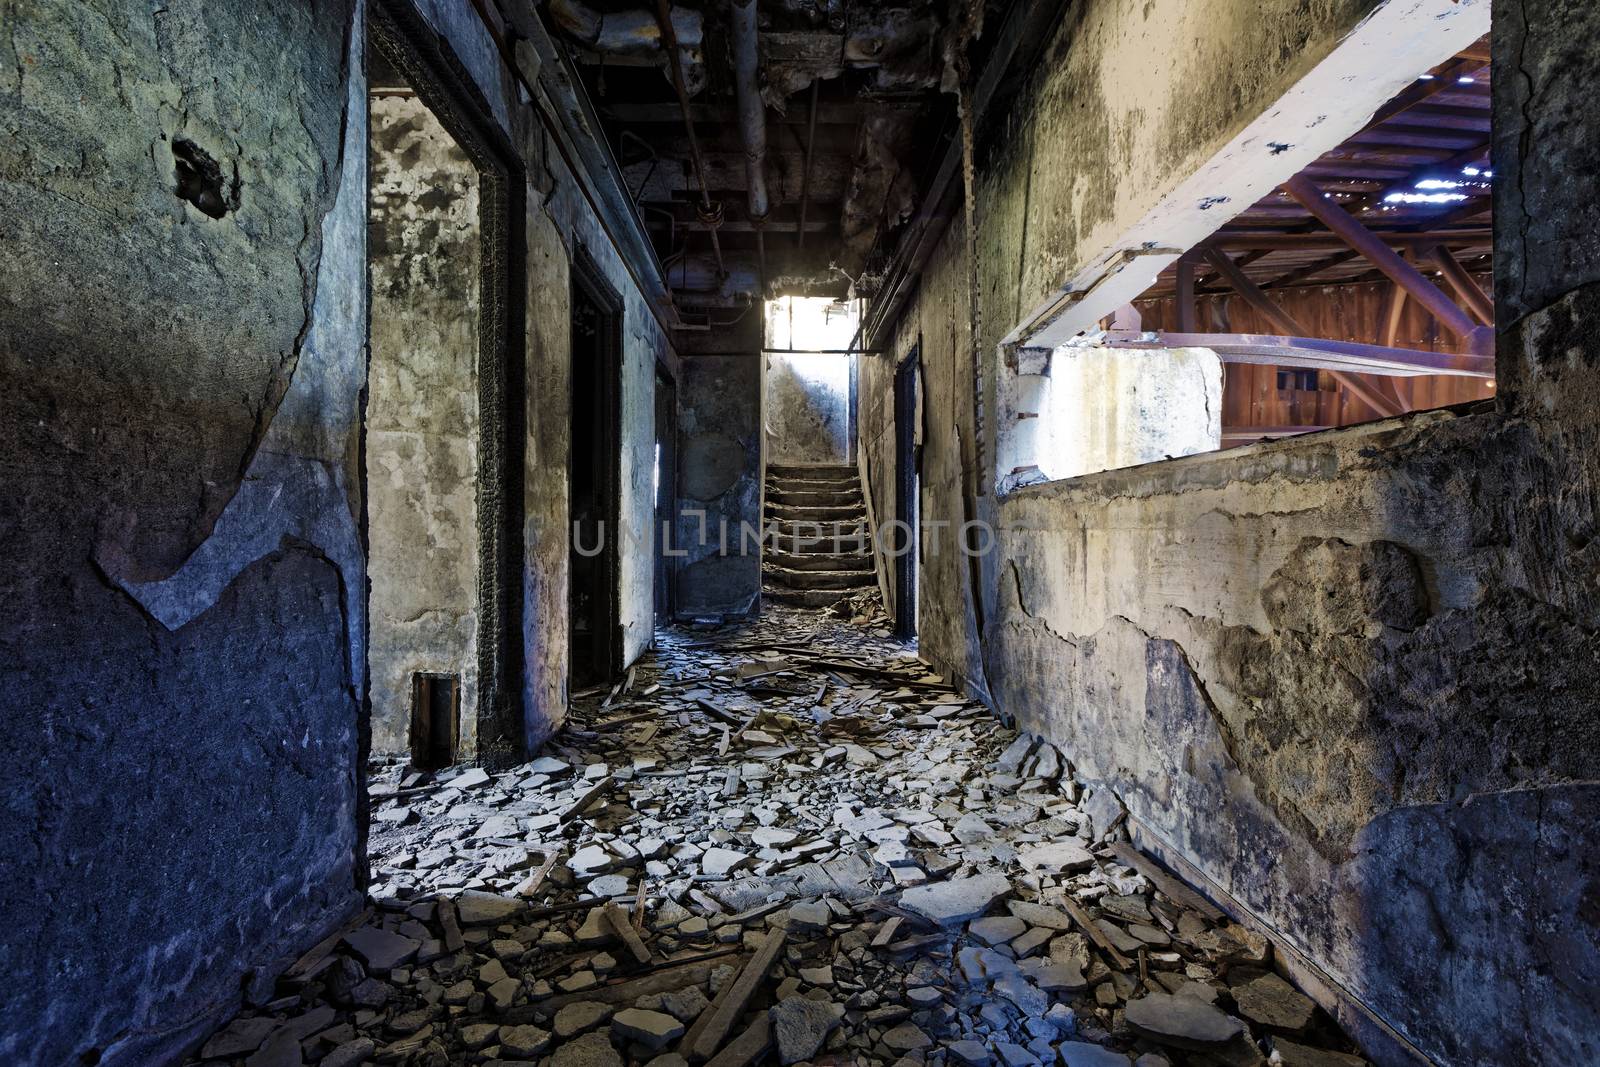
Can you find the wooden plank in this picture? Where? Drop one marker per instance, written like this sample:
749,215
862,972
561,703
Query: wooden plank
740,990
531,885
617,919
603,786
748,1046
673,974
1097,935
886,934
1169,886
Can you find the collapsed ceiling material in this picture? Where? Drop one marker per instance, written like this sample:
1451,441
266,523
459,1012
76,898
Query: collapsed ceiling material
772,148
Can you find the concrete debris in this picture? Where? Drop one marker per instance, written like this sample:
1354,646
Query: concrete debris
807,850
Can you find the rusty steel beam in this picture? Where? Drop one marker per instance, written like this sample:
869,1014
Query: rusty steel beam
1380,400
1477,301
1381,256
1188,320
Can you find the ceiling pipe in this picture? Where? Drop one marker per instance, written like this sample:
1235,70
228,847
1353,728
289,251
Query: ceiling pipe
752,116
805,175
710,213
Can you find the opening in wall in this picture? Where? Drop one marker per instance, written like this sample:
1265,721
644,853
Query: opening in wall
1357,289
435,720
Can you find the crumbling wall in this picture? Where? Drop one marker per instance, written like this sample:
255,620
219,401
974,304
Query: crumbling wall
1344,677
181,325
422,418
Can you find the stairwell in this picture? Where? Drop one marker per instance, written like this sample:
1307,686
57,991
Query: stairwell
820,547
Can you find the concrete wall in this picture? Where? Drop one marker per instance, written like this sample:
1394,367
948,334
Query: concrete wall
179,416
808,409
180,406
719,483
1090,409
1344,678
422,418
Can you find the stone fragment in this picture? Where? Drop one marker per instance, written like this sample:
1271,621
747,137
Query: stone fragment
1056,857
475,908
1085,1054
476,1035
809,917
997,929
652,1029
524,1042
1275,1004
970,1052
1292,1054
1182,1022
907,1037
717,861
1014,1055
350,1054
1040,915
590,1050
956,901
800,1026
580,1017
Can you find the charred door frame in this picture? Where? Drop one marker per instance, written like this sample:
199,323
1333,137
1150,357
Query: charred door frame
907,460
444,85
591,280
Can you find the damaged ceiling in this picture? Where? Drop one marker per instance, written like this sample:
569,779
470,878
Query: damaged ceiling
816,126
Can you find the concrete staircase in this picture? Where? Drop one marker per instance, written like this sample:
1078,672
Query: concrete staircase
822,549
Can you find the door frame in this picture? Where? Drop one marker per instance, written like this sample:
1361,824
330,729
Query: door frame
591,281
907,469
442,82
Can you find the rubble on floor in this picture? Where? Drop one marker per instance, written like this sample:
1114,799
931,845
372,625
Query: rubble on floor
784,842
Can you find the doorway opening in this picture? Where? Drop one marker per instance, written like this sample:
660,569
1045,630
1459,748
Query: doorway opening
442,443
907,461
594,610
665,494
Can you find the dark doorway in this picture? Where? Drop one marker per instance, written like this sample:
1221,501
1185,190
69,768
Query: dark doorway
907,458
594,477
666,495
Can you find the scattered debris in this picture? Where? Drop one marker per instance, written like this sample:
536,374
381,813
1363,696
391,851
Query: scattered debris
809,850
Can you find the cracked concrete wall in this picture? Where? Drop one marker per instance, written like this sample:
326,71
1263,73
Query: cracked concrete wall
422,418
1345,677
181,319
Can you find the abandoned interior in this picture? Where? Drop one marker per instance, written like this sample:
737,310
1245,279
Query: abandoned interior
606,532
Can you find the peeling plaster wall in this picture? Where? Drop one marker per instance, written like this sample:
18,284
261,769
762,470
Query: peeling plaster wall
179,416
180,435
1347,677
422,418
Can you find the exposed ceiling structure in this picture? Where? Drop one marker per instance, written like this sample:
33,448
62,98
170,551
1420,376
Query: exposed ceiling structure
1416,177
815,127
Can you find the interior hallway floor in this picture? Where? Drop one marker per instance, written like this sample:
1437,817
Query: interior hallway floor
782,841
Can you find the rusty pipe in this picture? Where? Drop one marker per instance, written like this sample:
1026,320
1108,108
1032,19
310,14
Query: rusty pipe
752,111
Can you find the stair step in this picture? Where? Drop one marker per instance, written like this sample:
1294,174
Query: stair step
818,579
847,544
824,471
819,561
816,497
815,513
804,598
